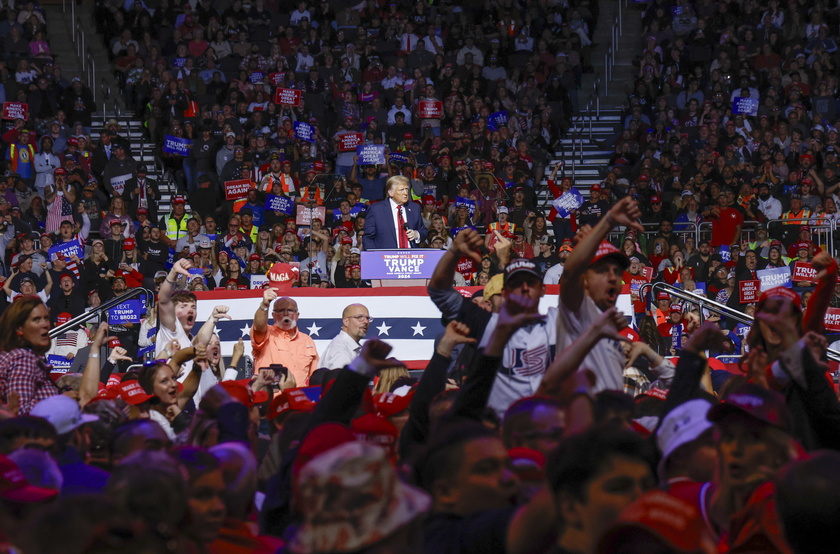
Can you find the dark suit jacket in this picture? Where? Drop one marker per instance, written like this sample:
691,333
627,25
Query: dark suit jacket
132,200
379,225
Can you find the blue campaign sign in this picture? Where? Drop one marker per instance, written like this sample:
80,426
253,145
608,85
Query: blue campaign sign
304,131
457,230
568,202
371,154
467,203
59,364
745,105
176,145
774,277
724,252
397,158
67,249
129,311
282,204
496,120
400,264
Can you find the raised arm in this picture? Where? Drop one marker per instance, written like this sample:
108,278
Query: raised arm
206,332
166,310
625,213
467,243
260,326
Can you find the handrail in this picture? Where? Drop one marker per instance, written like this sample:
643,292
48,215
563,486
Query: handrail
712,306
87,316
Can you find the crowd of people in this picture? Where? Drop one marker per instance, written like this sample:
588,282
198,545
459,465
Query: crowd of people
581,430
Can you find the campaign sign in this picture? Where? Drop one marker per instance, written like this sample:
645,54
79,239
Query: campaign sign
465,202
748,291
176,145
774,277
67,249
648,273
282,204
15,110
832,320
234,190
457,230
257,281
118,182
430,109
276,78
397,158
59,364
288,96
304,131
371,154
400,264
349,141
724,252
803,271
305,215
745,105
129,311
636,281
496,120
196,272
567,202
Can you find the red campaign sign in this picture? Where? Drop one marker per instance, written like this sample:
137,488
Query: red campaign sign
648,273
349,142
832,320
305,215
430,109
803,271
287,96
235,190
282,275
749,290
15,110
635,282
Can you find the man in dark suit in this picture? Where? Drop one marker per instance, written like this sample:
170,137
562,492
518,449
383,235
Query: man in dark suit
394,222
141,192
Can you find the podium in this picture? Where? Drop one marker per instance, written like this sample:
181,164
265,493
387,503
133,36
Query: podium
400,268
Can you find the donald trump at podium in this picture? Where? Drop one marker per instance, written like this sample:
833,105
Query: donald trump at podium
394,223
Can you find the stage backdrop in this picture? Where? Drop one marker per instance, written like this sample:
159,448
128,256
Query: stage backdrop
404,317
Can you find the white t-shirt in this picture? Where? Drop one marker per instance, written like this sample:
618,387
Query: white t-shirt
552,276
526,357
606,359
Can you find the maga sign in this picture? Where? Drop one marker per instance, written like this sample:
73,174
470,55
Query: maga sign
349,141
304,215
748,291
745,105
400,264
568,202
15,110
287,96
281,204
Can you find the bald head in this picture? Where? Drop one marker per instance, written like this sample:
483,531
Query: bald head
355,321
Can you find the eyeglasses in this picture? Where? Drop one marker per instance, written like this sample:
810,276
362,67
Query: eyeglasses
361,318
284,311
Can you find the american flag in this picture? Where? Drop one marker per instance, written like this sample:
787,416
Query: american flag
57,212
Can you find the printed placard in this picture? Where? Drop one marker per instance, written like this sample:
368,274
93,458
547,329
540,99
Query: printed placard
129,311
304,131
16,110
118,182
832,320
304,214
238,189
774,277
282,204
371,154
176,145
397,158
257,281
288,97
276,78
67,249
647,271
567,202
430,109
497,120
466,203
349,141
745,105
803,271
400,264
59,364
749,291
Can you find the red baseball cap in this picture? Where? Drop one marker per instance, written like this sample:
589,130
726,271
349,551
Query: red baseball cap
59,171
607,250
63,317
290,400
242,392
133,393
129,244
15,488
655,199
388,404
781,292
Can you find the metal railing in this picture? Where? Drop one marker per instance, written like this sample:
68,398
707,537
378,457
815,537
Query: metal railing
824,230
83,51
692,231
715,307
104,307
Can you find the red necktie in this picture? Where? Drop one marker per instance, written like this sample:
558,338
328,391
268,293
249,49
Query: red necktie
401,234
